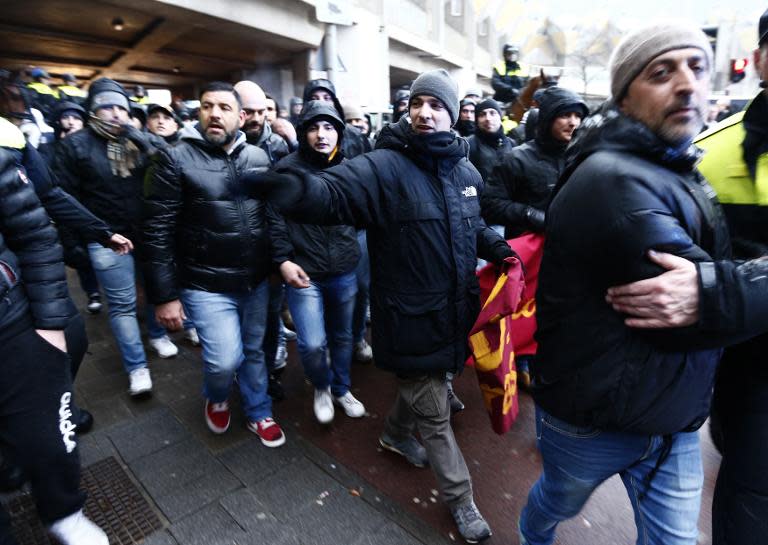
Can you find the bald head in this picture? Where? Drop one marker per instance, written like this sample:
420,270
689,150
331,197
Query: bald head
255,108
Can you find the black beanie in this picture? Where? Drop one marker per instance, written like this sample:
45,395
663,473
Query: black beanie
488,103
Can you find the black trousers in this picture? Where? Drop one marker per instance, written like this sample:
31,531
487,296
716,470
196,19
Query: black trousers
740,411
36,423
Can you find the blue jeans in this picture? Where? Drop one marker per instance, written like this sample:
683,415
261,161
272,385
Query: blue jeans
576,460
231,330
363,274
117,276
322,314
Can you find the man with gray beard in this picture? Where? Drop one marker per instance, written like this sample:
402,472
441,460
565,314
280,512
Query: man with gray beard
611,399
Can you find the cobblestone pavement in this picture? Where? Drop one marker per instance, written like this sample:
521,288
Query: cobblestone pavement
327,484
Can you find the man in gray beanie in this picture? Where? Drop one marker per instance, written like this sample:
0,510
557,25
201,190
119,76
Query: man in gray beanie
417,195
611,399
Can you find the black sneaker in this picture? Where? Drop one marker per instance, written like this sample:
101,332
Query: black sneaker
471,524
94,303
409,448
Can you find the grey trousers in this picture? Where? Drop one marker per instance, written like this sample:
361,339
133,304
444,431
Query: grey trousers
422,404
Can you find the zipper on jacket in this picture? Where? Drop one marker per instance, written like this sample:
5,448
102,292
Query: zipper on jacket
244,232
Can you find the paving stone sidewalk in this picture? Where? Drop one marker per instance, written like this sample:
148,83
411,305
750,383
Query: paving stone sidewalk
228,489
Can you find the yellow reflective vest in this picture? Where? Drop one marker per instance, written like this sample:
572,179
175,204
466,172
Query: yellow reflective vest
10,135
724,167
501,69
42,89
71,91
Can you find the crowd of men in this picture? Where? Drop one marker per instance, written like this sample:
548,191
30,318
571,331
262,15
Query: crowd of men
653,288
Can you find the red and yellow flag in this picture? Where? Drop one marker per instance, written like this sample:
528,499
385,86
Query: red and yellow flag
493,350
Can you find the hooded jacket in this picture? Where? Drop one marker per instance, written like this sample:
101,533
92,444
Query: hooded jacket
321,250
201,230
526,176
624,192
417,196
354,141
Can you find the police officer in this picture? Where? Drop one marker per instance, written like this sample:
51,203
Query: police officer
509,75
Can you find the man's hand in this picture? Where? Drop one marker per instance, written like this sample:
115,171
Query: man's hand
668,300
284,128
120,245
170,315
54,337
294,275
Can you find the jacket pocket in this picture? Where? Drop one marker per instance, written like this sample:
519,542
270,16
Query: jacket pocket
420,324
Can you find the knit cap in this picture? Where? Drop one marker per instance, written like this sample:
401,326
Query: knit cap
639,48
105,93
488,103
439,84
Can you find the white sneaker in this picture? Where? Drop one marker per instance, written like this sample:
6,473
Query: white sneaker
363,352
141,381
76,529
191,335
164,347
324,406
351,405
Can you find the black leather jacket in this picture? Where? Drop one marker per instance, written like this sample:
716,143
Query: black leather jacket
201,230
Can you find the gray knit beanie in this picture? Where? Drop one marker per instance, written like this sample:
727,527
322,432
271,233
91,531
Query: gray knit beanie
639,48
439,84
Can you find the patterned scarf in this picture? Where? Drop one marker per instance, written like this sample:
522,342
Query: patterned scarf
123,155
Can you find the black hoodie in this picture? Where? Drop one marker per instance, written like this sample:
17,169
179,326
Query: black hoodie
321,250
526,176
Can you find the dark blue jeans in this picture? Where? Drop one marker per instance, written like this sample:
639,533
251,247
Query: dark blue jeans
576,460
322,314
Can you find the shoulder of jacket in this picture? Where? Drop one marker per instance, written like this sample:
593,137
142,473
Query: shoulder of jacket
728,124
10,135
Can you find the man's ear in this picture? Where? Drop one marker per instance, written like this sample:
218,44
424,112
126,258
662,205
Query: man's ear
241,117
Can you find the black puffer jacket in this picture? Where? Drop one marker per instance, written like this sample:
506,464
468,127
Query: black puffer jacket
81,167
321,250
417,196
201,230
623,193
487,150
33,286
526,176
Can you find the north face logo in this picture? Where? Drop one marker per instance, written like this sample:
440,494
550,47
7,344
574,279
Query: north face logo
470,191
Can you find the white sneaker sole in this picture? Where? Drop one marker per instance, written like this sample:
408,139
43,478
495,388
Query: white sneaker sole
344,408
213,427
271,444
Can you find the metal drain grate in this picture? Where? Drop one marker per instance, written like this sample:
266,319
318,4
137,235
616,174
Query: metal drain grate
114,503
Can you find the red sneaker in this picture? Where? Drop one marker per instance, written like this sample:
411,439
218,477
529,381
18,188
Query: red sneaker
217,416
268,431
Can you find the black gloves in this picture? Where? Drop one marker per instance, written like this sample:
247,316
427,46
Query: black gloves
536,219
140,139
